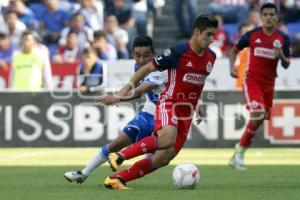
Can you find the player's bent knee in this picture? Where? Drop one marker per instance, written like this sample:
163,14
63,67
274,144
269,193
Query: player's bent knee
258,116
166,143
167,137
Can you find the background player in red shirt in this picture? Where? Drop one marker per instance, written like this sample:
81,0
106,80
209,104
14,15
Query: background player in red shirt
267,46
188,65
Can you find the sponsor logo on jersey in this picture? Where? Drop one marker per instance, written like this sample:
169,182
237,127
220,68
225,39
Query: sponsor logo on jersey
258,40
189,64
277,44
167,52
197,79
264,52
209,67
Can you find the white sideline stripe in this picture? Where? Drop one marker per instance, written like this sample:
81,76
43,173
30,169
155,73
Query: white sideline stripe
21,156
167,94
247,95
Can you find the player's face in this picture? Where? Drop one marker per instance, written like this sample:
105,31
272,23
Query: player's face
206,37
269,17
142,55
4,43
27,42
72,40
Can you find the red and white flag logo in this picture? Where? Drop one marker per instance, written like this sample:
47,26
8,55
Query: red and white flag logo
284,124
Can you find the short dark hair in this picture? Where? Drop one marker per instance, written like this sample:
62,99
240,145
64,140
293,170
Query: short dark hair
143,41
89,50
99,34
10,11
71,32
29,32
202,22
269,5
3,35
76,14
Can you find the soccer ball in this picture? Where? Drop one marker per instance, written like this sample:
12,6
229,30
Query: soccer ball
185,176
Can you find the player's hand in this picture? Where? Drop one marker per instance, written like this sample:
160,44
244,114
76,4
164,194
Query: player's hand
108,99
199,115
83,88
233,72
278,53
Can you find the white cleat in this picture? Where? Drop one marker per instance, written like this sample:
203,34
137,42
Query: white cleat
75,176
237,160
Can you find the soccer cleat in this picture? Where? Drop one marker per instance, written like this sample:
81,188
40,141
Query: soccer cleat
115,183
237,160
115,160
75,176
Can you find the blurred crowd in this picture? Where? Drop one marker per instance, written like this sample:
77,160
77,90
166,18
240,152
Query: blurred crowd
67,27
233,15
67,30
245,14
64,30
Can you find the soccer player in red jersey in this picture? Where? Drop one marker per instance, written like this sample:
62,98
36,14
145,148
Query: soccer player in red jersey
188,65
267,46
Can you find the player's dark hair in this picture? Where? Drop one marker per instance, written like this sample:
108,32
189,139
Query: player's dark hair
28,32
3,35
99,34
10,11
89,50
203,22
71,32
269,5
143,41
76,14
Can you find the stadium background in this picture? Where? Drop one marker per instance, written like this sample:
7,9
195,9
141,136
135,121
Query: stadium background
64,117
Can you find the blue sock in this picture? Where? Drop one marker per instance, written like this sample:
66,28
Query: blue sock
105,151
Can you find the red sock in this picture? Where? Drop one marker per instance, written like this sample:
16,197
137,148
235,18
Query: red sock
248,135
146,145
137,170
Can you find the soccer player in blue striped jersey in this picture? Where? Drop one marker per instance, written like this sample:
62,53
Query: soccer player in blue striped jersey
143,124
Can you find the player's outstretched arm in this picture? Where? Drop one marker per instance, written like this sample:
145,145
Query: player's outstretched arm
128,90
138,91
133,94
136,78
232,57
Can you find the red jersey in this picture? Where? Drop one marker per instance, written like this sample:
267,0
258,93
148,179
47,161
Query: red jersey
187,72
263,64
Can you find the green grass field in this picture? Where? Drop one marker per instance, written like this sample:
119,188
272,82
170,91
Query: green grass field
37,173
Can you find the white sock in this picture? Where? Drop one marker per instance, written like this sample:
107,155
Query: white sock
94,163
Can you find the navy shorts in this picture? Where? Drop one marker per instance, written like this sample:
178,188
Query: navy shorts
141,126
